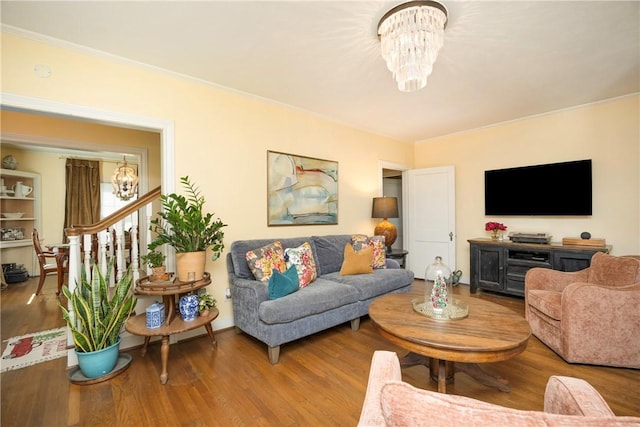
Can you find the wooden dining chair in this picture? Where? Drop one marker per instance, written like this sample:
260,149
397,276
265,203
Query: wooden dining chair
50,262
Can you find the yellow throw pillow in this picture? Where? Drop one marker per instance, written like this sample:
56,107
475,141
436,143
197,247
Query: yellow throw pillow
356,262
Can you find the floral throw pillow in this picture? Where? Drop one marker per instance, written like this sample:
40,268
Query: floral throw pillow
302,258
379,251
265,260
359,241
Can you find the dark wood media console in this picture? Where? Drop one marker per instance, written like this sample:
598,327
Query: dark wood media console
500,266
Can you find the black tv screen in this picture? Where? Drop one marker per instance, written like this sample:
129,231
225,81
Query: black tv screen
550,189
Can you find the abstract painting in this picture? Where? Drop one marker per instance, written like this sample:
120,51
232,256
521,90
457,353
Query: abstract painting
301,190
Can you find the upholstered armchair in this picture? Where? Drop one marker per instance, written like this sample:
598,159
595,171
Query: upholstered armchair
391,402
589,316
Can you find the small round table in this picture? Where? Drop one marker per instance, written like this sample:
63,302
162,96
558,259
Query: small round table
490,333
170,291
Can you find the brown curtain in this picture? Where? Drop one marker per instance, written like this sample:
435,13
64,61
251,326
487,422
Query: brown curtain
82,184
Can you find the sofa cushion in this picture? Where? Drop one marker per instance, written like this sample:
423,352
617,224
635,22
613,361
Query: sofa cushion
356,262
612,270
302,258
380,282
329,252
320,296
265,260
548,302
283,284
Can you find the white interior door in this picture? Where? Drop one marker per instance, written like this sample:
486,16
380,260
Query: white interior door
429,217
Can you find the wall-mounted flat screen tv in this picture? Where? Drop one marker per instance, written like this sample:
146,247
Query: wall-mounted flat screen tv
550,189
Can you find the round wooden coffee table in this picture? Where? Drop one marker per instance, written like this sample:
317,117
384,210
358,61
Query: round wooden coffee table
490,333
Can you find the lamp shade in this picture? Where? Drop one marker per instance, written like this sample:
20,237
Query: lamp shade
384,207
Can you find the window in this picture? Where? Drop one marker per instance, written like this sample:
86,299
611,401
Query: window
110,203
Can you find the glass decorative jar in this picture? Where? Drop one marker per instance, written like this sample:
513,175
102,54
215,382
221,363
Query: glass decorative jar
438,294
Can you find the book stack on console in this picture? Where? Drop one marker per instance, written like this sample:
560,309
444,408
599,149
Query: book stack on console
577,241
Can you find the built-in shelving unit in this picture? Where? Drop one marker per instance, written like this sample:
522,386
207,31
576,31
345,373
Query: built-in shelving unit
15,234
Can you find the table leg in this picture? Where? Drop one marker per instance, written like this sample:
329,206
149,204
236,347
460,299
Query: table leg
478,374
211,336
164,355
143,352
450,370
442,376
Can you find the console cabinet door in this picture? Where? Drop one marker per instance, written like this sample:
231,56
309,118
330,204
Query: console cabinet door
490,267
572,260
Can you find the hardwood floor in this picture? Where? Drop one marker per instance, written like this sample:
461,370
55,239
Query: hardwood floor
320,380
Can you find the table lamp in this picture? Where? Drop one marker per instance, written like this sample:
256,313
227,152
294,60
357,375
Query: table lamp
385,207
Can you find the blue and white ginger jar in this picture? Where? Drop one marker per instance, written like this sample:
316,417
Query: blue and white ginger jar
189,307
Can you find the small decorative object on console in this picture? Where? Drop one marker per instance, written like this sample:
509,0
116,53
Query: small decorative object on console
495,228
542,238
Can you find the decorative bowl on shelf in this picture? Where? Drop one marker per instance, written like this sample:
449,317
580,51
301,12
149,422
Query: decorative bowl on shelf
13,214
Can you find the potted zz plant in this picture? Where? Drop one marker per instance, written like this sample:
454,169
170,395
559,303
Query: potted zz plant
183,224
99,318
155,260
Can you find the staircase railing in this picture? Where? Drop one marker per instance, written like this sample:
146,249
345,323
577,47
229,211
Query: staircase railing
109,235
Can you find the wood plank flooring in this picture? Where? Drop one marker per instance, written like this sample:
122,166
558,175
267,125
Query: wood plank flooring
320,380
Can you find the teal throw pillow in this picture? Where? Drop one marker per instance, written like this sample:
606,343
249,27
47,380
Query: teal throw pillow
281,284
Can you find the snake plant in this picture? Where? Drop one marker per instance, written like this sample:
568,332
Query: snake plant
99,313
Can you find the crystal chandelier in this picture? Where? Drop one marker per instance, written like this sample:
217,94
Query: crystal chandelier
124,181
411,35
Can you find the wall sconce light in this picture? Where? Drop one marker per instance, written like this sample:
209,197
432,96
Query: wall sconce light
124,181
385,207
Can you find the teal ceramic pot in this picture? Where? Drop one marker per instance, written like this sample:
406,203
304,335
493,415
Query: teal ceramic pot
98,363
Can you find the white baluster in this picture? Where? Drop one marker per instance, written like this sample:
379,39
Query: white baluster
87,239
119,244
135,256
103,242
74,277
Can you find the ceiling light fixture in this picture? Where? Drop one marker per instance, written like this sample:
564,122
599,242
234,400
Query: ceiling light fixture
124,181
411,35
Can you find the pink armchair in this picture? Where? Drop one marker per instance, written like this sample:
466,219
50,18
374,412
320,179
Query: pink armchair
590,316
391,402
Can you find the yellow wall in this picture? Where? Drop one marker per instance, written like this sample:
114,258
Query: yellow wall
221,138
608,133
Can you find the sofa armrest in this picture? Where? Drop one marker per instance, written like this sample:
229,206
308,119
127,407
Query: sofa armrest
391,263
602,324
384,367
552,280
246,297
573,396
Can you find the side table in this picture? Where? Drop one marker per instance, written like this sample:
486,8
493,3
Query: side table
398,255
170,292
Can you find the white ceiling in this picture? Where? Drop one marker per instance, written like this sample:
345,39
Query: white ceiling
500,61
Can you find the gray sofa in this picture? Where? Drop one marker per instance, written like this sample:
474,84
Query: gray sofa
328,301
